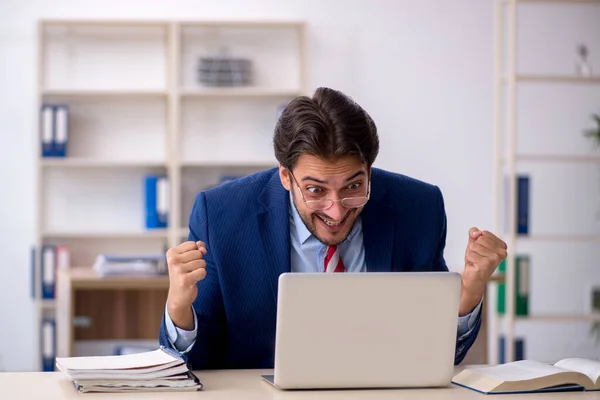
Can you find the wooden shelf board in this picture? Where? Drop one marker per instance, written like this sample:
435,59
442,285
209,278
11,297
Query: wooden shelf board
556,1
242,24
57,162
87,278
237,92
159,233
558,78
103,23
103,93
560,318
229,163
554,78
559,238
573,158
46,304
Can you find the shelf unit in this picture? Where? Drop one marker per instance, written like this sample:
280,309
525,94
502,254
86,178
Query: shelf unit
508,158
110,300
137,107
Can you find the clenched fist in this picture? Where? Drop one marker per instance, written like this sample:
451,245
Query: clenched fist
186,268
484,253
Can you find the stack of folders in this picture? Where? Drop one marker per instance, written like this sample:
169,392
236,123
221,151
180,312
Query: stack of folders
54,129
161,370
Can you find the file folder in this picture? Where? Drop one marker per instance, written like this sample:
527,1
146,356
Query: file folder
48,344
157,202
32,268
162,201
518,348
61,131
47,127
48,271
63,257
523,205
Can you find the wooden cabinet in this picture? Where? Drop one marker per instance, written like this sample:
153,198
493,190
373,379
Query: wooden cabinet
107,310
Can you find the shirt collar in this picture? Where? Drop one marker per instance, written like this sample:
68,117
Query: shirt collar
302,233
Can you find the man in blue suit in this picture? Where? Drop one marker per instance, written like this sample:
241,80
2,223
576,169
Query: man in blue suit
324,209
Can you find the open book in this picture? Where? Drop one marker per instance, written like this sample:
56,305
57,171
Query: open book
157,371
532,376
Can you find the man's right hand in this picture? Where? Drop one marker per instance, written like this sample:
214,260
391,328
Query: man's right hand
186,269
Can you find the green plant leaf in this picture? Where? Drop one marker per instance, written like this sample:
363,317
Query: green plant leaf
595,331
595,132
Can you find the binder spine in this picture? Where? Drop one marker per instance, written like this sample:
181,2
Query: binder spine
47,128
523,205
522,285
150,197
61,130
63,257
162,201
48,344
156,201
519,349
48,271
32,269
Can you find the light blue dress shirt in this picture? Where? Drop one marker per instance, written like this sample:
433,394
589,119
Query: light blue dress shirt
308,255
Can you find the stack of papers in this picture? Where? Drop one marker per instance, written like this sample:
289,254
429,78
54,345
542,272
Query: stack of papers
131,265
161,370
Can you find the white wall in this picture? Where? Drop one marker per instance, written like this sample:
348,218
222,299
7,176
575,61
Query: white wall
423,69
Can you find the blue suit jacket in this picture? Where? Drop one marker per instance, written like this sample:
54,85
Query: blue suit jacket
245,225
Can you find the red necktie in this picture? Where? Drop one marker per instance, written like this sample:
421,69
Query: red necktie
333,262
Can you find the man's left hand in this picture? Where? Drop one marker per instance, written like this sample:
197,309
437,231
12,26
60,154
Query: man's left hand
484,253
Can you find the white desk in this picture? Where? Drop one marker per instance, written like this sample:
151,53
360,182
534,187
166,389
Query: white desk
246,384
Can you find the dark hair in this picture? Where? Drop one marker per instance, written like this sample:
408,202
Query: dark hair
329,125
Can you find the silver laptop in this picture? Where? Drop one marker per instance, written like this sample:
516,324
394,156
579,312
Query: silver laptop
365,330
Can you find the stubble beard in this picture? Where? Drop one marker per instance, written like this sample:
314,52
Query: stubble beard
309,224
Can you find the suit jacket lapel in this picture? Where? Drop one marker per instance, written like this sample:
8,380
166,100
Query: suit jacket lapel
378,229
274,230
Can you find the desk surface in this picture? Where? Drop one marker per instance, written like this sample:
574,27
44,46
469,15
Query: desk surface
242,384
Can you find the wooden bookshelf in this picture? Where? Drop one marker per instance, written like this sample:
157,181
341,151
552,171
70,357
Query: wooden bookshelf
516,94
137,107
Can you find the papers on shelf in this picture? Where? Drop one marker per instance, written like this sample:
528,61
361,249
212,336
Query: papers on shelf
130,265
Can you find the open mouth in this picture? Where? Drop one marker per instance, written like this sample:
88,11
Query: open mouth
331,224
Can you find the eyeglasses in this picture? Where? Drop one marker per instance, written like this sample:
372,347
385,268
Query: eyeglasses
324,204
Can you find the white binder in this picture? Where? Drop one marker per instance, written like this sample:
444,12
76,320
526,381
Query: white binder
47,130
162,200
61,134
63,257
48,344
48,272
